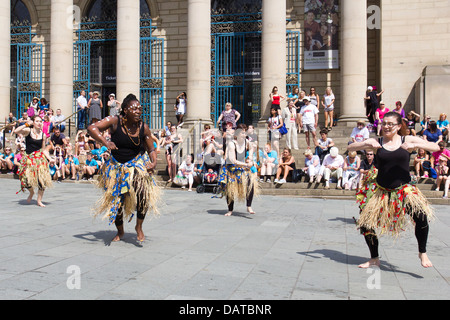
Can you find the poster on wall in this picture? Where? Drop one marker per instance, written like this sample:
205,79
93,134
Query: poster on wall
321,30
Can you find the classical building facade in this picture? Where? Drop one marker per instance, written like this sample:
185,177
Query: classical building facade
224,51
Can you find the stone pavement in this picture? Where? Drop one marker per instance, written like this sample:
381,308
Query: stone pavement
291,249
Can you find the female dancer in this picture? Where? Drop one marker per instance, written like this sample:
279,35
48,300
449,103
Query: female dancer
127,185
33,170
237,179
387,200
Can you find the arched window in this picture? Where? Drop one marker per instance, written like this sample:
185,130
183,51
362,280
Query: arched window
19,12
106,10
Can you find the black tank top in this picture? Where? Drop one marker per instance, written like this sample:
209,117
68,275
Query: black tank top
127,147
32,145
393,167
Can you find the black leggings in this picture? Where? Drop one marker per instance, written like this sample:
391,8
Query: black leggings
249,200
139,208
421,232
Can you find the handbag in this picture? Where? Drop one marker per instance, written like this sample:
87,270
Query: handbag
283,130
180,180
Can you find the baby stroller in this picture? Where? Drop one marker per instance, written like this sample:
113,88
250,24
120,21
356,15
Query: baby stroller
209,178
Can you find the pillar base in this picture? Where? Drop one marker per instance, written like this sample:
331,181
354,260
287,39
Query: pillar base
351,119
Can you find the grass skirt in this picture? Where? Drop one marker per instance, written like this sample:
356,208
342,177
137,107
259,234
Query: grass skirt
237,182
34,172
124,184
389,211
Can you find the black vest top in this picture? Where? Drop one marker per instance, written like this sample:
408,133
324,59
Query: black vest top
393,167
126,149
32,145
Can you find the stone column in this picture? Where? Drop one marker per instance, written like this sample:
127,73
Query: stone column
353,61
199,62
273,55
5,59
128,48
61,56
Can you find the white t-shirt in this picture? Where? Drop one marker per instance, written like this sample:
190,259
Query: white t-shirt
181,107
334,162
360,134
308,113
81,101
328,100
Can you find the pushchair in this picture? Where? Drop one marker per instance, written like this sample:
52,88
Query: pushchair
208,184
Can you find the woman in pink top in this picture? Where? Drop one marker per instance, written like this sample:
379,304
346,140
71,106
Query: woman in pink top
379,115
46,126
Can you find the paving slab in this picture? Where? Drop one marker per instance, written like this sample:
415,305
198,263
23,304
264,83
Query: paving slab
291,249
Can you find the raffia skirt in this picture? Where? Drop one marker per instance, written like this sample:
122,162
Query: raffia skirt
126,187
34,172
237,182
390,211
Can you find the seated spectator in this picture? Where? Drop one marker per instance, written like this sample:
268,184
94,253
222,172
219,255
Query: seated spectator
352,165
57,121
360,133
71,166
424,124
432,134
7,160
366,165
443,125
446,187
18,157
286,165
20,141
212,141
268,161
436,155
323,145
419,161
54,169
90,168
379,115
442,172
411,119
10,119
58,138
332,167
98,151
23,120
312,165
186,171
46,125
80,142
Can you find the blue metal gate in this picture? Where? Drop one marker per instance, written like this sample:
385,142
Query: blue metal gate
151,93
293,65
228,81
81,69
29,74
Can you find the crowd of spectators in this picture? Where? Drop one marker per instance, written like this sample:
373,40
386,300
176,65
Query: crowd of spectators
75,161
322,161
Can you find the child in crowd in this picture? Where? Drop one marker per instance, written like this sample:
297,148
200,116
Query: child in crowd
442,172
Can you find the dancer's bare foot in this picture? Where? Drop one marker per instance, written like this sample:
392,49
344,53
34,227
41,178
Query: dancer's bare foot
140,233
118,237
426,263
250,210
40,204
370,263
30,197
119,234
229,213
